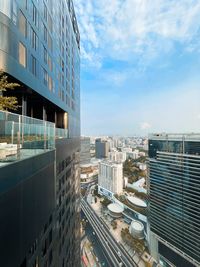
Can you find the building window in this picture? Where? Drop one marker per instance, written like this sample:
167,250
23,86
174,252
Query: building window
49,42
45,12
50,63
45,77
33,39
33,65
50,83
24,4
45,55
22,24
50,24
22,54
45,33
14,13
34,14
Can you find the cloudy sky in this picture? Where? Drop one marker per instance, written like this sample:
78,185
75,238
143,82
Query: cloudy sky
140,69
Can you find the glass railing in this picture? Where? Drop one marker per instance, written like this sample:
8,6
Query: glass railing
61,133
22,136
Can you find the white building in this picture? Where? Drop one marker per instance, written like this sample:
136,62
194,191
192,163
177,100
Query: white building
117,156
127,149
110,180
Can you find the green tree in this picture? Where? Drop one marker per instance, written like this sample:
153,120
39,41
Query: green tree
7,102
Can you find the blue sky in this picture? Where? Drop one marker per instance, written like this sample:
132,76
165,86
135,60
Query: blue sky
140,66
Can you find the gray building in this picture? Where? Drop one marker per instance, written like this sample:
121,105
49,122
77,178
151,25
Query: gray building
101,148
40,144
174,194
85,150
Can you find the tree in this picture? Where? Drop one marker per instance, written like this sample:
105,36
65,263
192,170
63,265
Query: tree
7,102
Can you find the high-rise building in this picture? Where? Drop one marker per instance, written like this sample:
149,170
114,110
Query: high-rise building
40,145
110,179
117,156
85,150
174,194
101,148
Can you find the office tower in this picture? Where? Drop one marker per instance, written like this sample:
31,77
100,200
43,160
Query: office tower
85,150
40,144
117,156
110,179
102,148
174,191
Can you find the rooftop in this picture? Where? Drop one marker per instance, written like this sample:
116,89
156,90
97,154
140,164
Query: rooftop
113,207
137,201
136,225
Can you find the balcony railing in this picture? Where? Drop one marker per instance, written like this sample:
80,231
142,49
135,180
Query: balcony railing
22,136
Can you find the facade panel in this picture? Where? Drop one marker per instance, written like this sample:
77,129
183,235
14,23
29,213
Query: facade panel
39,183
174,188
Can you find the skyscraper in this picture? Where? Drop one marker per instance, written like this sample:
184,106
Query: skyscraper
40,145
85,150
110,179
174,191
102,148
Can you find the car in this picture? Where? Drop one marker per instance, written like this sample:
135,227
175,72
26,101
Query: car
118,252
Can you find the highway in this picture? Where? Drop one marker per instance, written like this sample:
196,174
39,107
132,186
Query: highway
115,251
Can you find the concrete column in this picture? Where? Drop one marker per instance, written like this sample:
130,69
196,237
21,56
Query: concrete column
55,118
44,115
24,105
65,120
31,112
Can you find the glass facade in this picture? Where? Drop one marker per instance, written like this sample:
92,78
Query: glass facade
174,190
40,190
43,37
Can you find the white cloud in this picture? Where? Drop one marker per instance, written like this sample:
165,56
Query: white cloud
145,126
121,29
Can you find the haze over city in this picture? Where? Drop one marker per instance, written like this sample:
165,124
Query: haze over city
140,66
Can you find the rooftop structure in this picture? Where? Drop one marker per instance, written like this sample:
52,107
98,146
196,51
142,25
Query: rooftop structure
136,229
137,202
115,210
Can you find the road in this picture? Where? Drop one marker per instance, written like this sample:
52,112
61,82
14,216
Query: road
97,247
115,251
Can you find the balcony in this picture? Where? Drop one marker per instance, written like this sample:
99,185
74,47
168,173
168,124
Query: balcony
23,137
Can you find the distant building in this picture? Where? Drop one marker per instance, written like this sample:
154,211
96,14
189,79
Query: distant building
174,193
127,149
132,155
102,148
110,180
117,156
85,150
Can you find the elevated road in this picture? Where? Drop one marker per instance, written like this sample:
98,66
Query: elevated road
117,254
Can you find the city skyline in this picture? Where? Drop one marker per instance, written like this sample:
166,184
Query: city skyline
139,66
